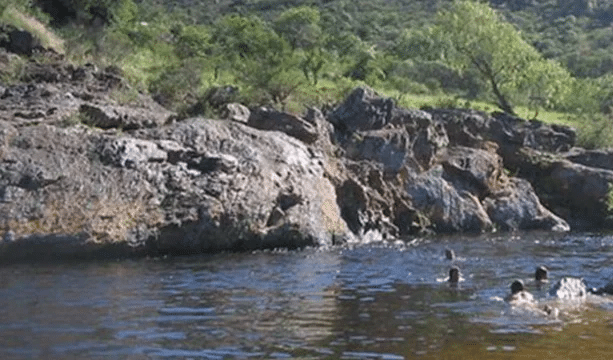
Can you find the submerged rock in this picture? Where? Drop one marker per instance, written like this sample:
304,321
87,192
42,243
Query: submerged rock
569,288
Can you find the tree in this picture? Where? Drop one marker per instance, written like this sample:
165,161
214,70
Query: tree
477,37
261,57
300,27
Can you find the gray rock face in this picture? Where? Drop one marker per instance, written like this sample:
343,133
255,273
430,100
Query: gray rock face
269,119
455,188
583,190
123,117
573,183
236,112
201,185
63,95
390,147
244,188
410,139
511,131
600,159
363,110
448,208
517,207
464,127
369,172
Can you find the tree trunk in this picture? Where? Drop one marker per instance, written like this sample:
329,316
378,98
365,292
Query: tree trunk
502,100
485,68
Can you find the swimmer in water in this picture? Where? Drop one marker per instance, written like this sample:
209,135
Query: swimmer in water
454,275
541,277
519,294
449,254
541,274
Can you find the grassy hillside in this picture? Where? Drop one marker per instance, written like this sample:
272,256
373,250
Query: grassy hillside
293,54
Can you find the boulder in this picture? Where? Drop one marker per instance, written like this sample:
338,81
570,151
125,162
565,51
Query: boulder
405,138
236,112
516,206
533,133
391,148
18,41
463,127
269,119
583,192
569,288
513,134
198,185
109,116
477,171
447,208
362,110
599,158
250,189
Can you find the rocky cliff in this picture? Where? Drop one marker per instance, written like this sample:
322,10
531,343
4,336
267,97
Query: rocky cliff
84,173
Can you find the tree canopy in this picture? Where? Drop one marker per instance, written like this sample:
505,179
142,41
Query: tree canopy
476,37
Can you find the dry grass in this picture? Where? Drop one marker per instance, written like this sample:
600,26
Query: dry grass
20,20
104,220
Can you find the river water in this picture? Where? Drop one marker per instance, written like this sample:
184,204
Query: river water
365,302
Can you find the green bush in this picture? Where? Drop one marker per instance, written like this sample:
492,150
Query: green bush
178,86
593,130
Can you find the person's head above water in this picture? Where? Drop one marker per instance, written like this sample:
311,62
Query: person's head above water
517,286
541,273
449,254
518,294
454,274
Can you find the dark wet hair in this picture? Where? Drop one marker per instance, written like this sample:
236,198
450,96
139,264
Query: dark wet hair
541,273
449,254
517,286
454,274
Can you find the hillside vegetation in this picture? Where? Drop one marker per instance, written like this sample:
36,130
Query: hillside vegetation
544,59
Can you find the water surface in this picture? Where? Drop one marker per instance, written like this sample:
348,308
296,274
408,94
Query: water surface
366,302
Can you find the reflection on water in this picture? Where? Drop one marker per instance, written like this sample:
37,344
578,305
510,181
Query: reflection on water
369,302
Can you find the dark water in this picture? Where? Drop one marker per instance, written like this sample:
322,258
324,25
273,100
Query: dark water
367,302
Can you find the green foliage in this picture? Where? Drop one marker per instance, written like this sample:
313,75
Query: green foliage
292,55
124,13
13,70
476,37
593,130
22,16
24,7
174,86
248,38
300,27
192,41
